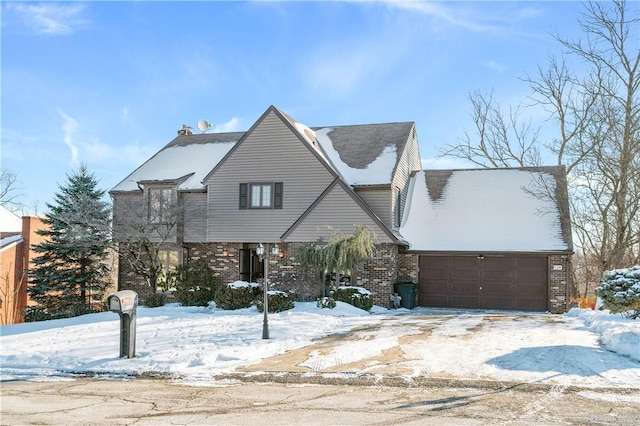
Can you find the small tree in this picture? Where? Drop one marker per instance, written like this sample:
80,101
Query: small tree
620,291
195,284
343,253
143,228
70,268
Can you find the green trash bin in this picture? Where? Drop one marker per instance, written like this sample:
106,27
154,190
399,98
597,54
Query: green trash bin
408,292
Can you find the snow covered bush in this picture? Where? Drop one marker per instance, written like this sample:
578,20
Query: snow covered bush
237,295
195,284
620,291
326,302
155,300
356,296
279,301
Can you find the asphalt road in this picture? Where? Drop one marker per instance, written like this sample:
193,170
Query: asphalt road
91,401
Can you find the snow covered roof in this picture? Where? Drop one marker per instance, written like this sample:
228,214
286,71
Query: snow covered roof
487,210
188,158
363,154
360,154
7,241
9,221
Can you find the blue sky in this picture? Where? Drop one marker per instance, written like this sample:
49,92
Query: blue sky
109,83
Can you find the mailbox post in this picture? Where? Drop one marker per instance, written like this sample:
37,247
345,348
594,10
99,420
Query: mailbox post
125,304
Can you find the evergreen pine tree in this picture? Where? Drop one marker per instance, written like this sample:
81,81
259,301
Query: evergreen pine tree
70,267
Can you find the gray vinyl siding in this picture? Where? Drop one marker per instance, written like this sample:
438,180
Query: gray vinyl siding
408,163
195,217
378,200
337,211
128,211
270,153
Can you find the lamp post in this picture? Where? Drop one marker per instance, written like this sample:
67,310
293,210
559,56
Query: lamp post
264,257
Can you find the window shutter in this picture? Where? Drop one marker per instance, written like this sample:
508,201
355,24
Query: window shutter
243,196
277,195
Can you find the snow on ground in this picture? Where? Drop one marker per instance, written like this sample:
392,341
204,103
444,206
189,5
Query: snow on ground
591,348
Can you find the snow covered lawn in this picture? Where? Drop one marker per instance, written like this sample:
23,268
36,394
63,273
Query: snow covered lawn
582,347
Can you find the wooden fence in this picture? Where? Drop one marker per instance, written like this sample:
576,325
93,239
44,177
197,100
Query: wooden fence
584,302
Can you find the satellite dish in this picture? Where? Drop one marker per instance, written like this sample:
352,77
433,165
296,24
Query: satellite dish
203,125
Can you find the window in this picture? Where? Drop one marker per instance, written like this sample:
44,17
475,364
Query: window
169,261
397,217
261,195
159,202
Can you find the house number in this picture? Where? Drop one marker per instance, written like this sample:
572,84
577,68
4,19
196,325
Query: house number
557,267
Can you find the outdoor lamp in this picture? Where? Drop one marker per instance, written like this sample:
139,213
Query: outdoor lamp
275,250
260,251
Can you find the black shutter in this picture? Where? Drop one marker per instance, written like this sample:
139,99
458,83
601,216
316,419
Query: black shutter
243,196
277,195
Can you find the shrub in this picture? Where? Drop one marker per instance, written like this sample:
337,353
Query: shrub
33,314
155,300
356,296
195,284
237,295
279,301
620,291
326,302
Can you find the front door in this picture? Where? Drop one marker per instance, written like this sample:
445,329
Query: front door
250,266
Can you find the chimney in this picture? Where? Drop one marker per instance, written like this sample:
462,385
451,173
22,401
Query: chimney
185,131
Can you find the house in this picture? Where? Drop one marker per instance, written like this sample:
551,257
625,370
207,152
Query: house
16,236
491,238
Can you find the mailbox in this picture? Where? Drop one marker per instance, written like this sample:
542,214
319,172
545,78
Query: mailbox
123,301
125,304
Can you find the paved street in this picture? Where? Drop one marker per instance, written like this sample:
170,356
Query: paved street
89,401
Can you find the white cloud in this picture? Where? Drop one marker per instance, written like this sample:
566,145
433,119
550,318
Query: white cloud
50,18
454,16
341,73
69,127
496,66
232,125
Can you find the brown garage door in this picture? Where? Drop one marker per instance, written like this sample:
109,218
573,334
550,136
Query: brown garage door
518,283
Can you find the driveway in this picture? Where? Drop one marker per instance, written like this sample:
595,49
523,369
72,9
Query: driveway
466,347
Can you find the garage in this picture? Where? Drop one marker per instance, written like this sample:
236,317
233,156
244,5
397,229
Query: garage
484,282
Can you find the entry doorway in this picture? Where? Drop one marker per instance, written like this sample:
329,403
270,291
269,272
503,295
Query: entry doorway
251,268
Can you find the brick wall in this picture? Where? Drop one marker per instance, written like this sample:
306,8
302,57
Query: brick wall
559,280
223,258
378,275
285,274
408,267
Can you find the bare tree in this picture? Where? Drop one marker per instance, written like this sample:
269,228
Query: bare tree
11,294
606,178
501,140
9,193
597,116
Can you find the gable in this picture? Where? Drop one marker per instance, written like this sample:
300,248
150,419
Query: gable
335,210
486,210
271,151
